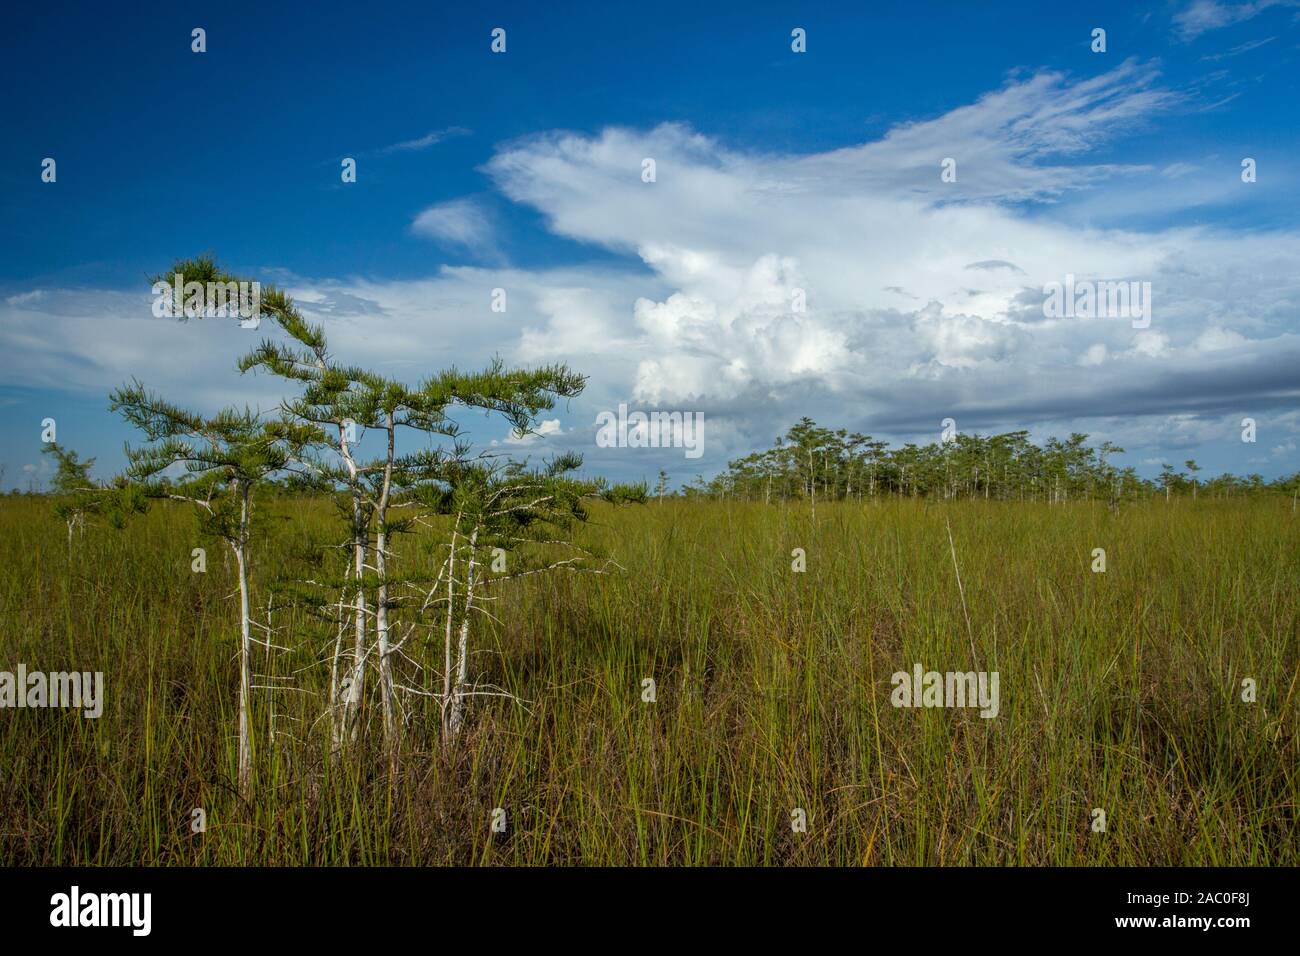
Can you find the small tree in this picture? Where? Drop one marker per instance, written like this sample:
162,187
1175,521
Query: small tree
1167,479
226,457
1193,467
78,495
507,522
661,487
1108,474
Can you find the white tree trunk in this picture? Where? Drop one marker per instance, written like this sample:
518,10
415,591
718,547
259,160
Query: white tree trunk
335,705
358,682
381,608
462,649
446,647
245,648
356,686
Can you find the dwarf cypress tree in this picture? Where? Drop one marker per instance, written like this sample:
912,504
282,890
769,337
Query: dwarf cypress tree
225,458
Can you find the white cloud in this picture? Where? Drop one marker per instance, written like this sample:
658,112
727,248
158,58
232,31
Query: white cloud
549,426
460,222
1095,354
1239,49
1202,16
1216,338
429,139
1150,343
923,299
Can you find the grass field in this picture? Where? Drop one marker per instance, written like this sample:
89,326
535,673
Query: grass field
1120,691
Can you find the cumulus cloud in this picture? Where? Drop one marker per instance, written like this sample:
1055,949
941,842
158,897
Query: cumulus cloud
853,285
876,245
549,426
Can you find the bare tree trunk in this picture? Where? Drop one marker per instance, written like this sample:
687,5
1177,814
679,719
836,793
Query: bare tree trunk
457,717
269,664
358,681
336,721
245,642
812,485
446,647
356,686
381,608
462,650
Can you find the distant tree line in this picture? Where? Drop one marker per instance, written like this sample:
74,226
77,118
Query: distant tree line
813,463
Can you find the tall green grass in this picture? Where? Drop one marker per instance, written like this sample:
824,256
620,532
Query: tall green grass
1119,691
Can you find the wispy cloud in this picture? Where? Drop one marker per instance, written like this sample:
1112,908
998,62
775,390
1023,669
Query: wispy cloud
1238,50
429,139
994,264
1202,16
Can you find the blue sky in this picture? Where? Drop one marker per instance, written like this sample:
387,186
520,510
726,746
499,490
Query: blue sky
776,172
